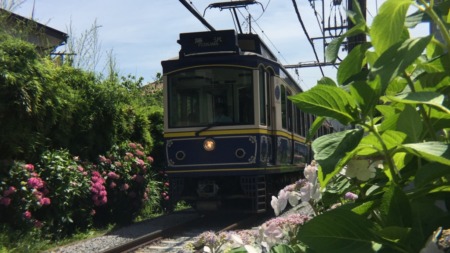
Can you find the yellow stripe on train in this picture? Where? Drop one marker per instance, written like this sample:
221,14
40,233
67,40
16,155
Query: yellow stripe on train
234,132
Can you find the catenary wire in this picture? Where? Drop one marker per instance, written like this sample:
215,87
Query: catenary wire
307,35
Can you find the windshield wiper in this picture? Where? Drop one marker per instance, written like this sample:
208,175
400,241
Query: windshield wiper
205,128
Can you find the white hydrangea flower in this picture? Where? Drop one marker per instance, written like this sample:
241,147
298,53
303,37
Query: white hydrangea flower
280,203
360,169
294,197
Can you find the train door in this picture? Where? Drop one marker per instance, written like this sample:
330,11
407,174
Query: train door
266,114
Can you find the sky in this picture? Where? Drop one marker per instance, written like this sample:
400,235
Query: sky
142,33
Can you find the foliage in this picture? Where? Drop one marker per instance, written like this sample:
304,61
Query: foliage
396,96
67,185
68,108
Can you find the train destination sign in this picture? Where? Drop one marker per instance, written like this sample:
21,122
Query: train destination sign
206,42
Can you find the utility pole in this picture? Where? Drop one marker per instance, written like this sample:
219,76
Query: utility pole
353,41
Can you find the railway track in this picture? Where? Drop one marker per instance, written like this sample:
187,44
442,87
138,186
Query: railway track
175,238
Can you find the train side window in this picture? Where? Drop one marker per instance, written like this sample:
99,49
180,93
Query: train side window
302,124
289,111
297,119
283,107
262,97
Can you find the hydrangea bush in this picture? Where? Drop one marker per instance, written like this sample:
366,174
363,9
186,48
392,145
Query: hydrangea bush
122,183
61,194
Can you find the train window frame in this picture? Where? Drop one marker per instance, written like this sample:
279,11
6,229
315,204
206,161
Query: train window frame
212,84
263,97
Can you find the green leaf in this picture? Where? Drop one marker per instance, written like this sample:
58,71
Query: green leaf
416,18
282,248
353,63
339,230
330,149
369,146
432,151
429,173
395,209
397,235
408,124
366,95
327,101
326,81
401,159
423,97
439,120
397,58
314,127
388,25
393,139
335,45
364,208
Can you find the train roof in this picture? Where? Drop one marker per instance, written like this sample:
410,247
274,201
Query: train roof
227,43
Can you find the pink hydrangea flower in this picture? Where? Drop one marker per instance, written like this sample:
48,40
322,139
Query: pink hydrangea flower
140,163
35,183
5,201
9,191
124,187
27,215
132,145
139,153
113,175
29,167
44,201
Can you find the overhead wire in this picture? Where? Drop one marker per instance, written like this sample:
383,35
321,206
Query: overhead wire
307,35
265,35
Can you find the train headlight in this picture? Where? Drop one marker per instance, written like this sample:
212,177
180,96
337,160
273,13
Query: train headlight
209,144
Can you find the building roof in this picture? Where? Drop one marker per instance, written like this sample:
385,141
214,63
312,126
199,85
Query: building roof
44,37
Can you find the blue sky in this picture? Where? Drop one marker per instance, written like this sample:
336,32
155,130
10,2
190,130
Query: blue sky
142,33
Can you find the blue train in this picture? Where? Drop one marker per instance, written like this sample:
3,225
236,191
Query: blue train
232,136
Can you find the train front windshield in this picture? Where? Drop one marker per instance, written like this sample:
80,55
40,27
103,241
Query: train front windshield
210,96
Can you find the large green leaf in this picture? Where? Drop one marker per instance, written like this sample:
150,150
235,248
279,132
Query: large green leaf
395,209
327,101
330,149
432,151
353,63
339,230
430,172
388,25
424,97
397,58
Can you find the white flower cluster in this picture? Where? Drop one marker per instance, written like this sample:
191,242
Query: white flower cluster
305,190
362,170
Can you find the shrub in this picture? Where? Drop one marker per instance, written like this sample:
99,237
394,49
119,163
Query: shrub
121,183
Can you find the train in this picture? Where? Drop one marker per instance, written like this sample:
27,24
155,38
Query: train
232,137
